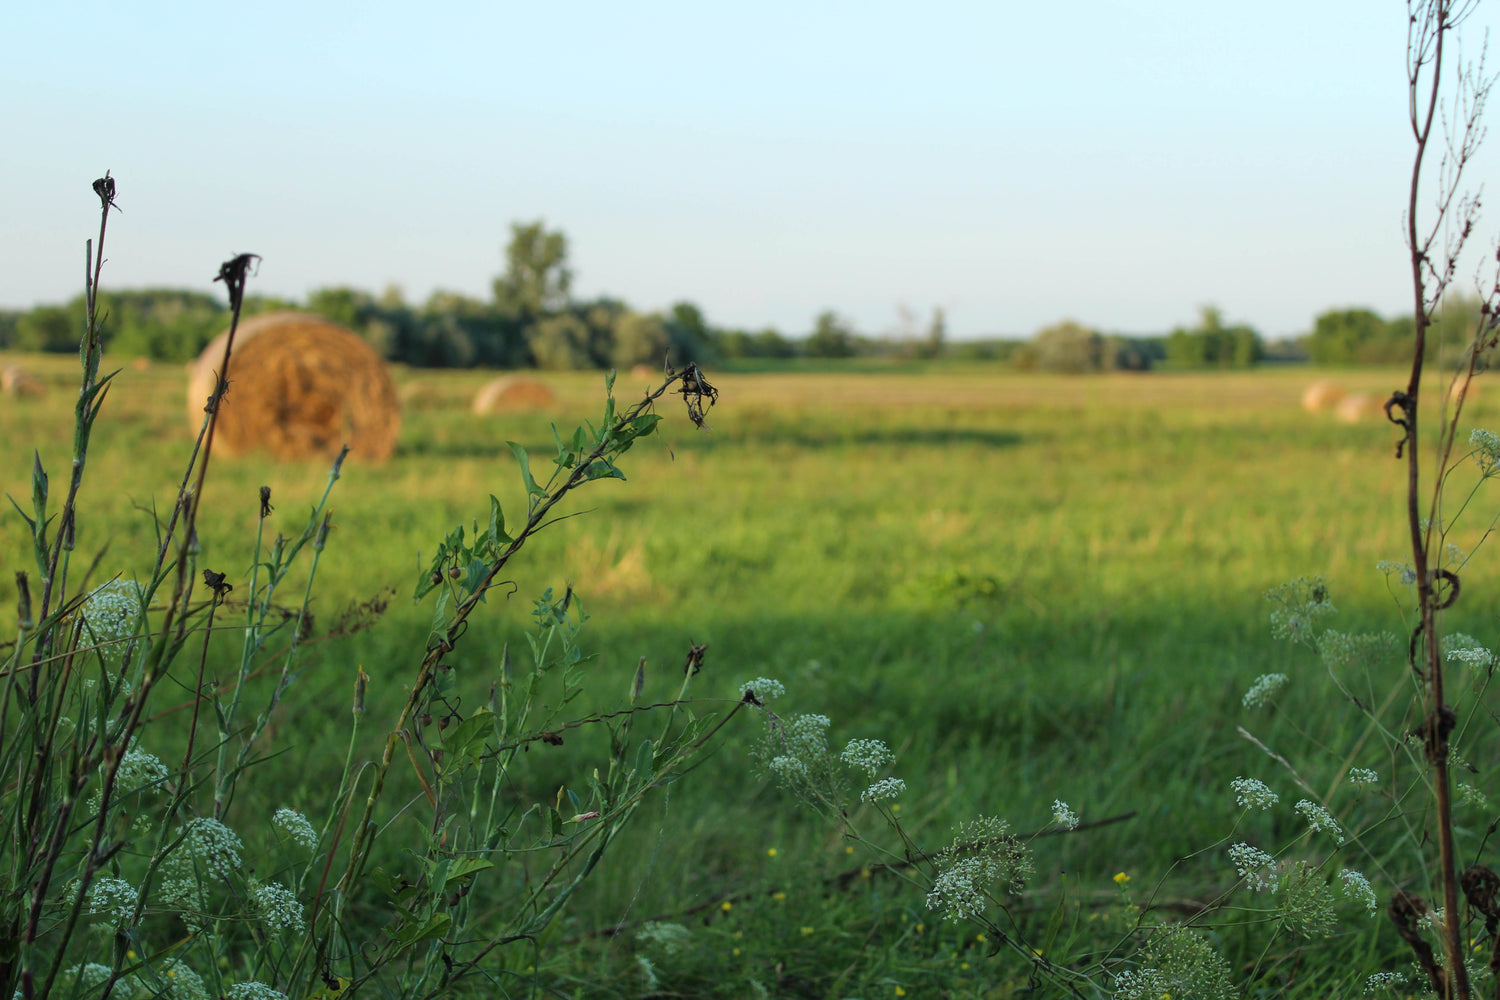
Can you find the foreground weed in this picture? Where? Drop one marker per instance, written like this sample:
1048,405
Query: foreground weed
140,858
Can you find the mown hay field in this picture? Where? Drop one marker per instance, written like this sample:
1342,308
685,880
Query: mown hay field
1032,587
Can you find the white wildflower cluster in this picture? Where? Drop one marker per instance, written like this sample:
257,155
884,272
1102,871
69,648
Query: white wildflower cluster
1404,571
795,752
788,768
765,688
115,898
885,788
295,826
1354,650
1264,689
1470,796
1255,866
807,736
1252,793
1436,918
1384,981
253,991
174,980
110,611
1177,962
1486,445
1363,776
868,755
668,937
1468,650
982,856
1298,607
1455,556
210,846
959,892
139,771
1357,887
1319,819
1062,815
278,906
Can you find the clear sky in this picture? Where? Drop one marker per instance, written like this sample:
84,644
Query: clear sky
1121,162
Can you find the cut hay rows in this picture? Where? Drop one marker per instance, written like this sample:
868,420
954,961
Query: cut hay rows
513,393
299,387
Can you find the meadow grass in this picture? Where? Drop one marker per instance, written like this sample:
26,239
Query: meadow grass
1032,587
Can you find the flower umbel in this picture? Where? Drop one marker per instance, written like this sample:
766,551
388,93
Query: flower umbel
1319,819
1251,793
1255,866
1264,689
885,788
1063,816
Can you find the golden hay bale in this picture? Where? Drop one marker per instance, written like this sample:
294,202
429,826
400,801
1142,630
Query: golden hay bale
299,387
646,373
1321,395
16,381
1466,389
513,393
1360,406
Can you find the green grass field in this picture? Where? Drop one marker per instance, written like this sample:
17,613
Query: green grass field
1032,587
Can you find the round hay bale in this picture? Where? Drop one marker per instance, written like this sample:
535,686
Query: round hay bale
513,393
646,373
17,381
1360,406
1461,388
300,387
1321,395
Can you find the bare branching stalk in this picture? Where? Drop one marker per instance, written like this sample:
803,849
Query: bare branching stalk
1435,250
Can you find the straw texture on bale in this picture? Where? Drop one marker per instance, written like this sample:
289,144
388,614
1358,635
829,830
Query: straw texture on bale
513,393
300,387
1321,395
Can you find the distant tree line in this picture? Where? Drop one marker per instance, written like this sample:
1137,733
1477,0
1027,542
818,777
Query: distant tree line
532,319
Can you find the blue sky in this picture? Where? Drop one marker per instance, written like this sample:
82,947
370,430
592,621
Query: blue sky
1121,163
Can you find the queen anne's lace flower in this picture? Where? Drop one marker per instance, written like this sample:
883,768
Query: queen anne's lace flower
114,897
885,788
869,755
1264,689
253,991
1062,815
1358,887
209,845
295,826
1252,793
278,906
1255,866
1319,819
1363,776
765,688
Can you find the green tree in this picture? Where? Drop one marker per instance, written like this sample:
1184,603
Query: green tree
537,281
49,328
1343,336
1068,347
1211,344
562,342
639,339
832,337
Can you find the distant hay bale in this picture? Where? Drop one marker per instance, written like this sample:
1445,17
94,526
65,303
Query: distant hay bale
300,387
646,373
513,393
17,381
1360,406
1463,389
1321,395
